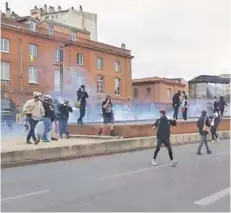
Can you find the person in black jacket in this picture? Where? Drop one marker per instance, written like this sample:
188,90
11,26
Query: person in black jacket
215,105
163,136
176,104
203,125
215,120
48,117
82,95
184,105
222,104
64,110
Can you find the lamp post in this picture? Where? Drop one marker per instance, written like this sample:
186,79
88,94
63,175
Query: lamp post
61,66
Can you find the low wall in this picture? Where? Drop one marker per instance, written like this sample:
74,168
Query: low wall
141,130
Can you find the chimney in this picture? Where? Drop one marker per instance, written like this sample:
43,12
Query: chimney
35,7
80,8
45,8
7,6
51,9
72,8
123,46
59,9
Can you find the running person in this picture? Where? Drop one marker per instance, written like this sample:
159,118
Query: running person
163,136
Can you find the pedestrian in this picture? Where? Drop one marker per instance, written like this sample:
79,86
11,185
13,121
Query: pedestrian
163,136
176,104
215,105
82,95
222,104
64,110
34,111
203,125
107,113
184,105
8,111
48,117
215,120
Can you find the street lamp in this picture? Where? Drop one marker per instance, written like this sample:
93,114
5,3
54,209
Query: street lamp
62,46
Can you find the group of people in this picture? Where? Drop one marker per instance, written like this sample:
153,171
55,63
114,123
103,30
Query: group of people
50,112
219,105
180,99
205,126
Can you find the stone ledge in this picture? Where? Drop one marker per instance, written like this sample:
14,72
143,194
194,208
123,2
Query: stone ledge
23,157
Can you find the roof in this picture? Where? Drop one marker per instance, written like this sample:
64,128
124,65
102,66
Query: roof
210,79
156,80
26,18
64,25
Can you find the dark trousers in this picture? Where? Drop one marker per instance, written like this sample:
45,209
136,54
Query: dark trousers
184,113
216,110
221,112
63,127
167,144
82,111
175,114
214,133
203,141
31,133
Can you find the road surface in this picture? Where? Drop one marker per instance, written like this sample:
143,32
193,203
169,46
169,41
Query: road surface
123,182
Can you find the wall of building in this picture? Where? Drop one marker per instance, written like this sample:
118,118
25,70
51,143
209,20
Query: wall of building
19,59
160,92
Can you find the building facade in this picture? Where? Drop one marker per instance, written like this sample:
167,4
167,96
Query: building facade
30,59
71,17
159,90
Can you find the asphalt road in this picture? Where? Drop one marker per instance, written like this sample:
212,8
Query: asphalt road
123,182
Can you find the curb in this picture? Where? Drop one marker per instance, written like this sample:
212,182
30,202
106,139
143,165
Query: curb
43,155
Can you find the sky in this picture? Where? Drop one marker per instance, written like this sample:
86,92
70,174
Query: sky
169,38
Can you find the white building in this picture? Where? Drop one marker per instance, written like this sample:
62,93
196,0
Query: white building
71,17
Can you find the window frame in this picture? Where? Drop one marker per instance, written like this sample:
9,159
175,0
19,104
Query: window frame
51,30
8,78
100,84
100,61
2,46
82,57
116,91
31,50
73,36
117,65
29,75
57,80
148,92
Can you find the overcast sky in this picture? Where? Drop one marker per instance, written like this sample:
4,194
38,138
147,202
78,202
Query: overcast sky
169,38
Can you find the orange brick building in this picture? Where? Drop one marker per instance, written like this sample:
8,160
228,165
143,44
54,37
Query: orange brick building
29,52
156,89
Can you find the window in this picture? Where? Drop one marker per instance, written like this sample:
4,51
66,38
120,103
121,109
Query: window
5,70
33,75
169,94
59,55
4,45
100,63
34,50
73,36
32,26
80,59
135,92
117,66
117,86
51,30
100,84
148,91
57,80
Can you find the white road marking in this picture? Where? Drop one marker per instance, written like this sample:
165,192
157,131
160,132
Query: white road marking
150,168
25,195
213,198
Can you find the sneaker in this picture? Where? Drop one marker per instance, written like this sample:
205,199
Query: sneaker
218,139
173,162
209,152
36,142
54,139
28,142
154,163
198,153
213,141
46,141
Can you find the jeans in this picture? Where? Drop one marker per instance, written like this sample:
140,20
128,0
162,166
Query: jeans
184,114
203,141
82,111
175,114
47,127
32,124
63,127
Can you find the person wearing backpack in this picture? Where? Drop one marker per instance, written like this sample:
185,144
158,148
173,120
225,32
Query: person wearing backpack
203,125
82,95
